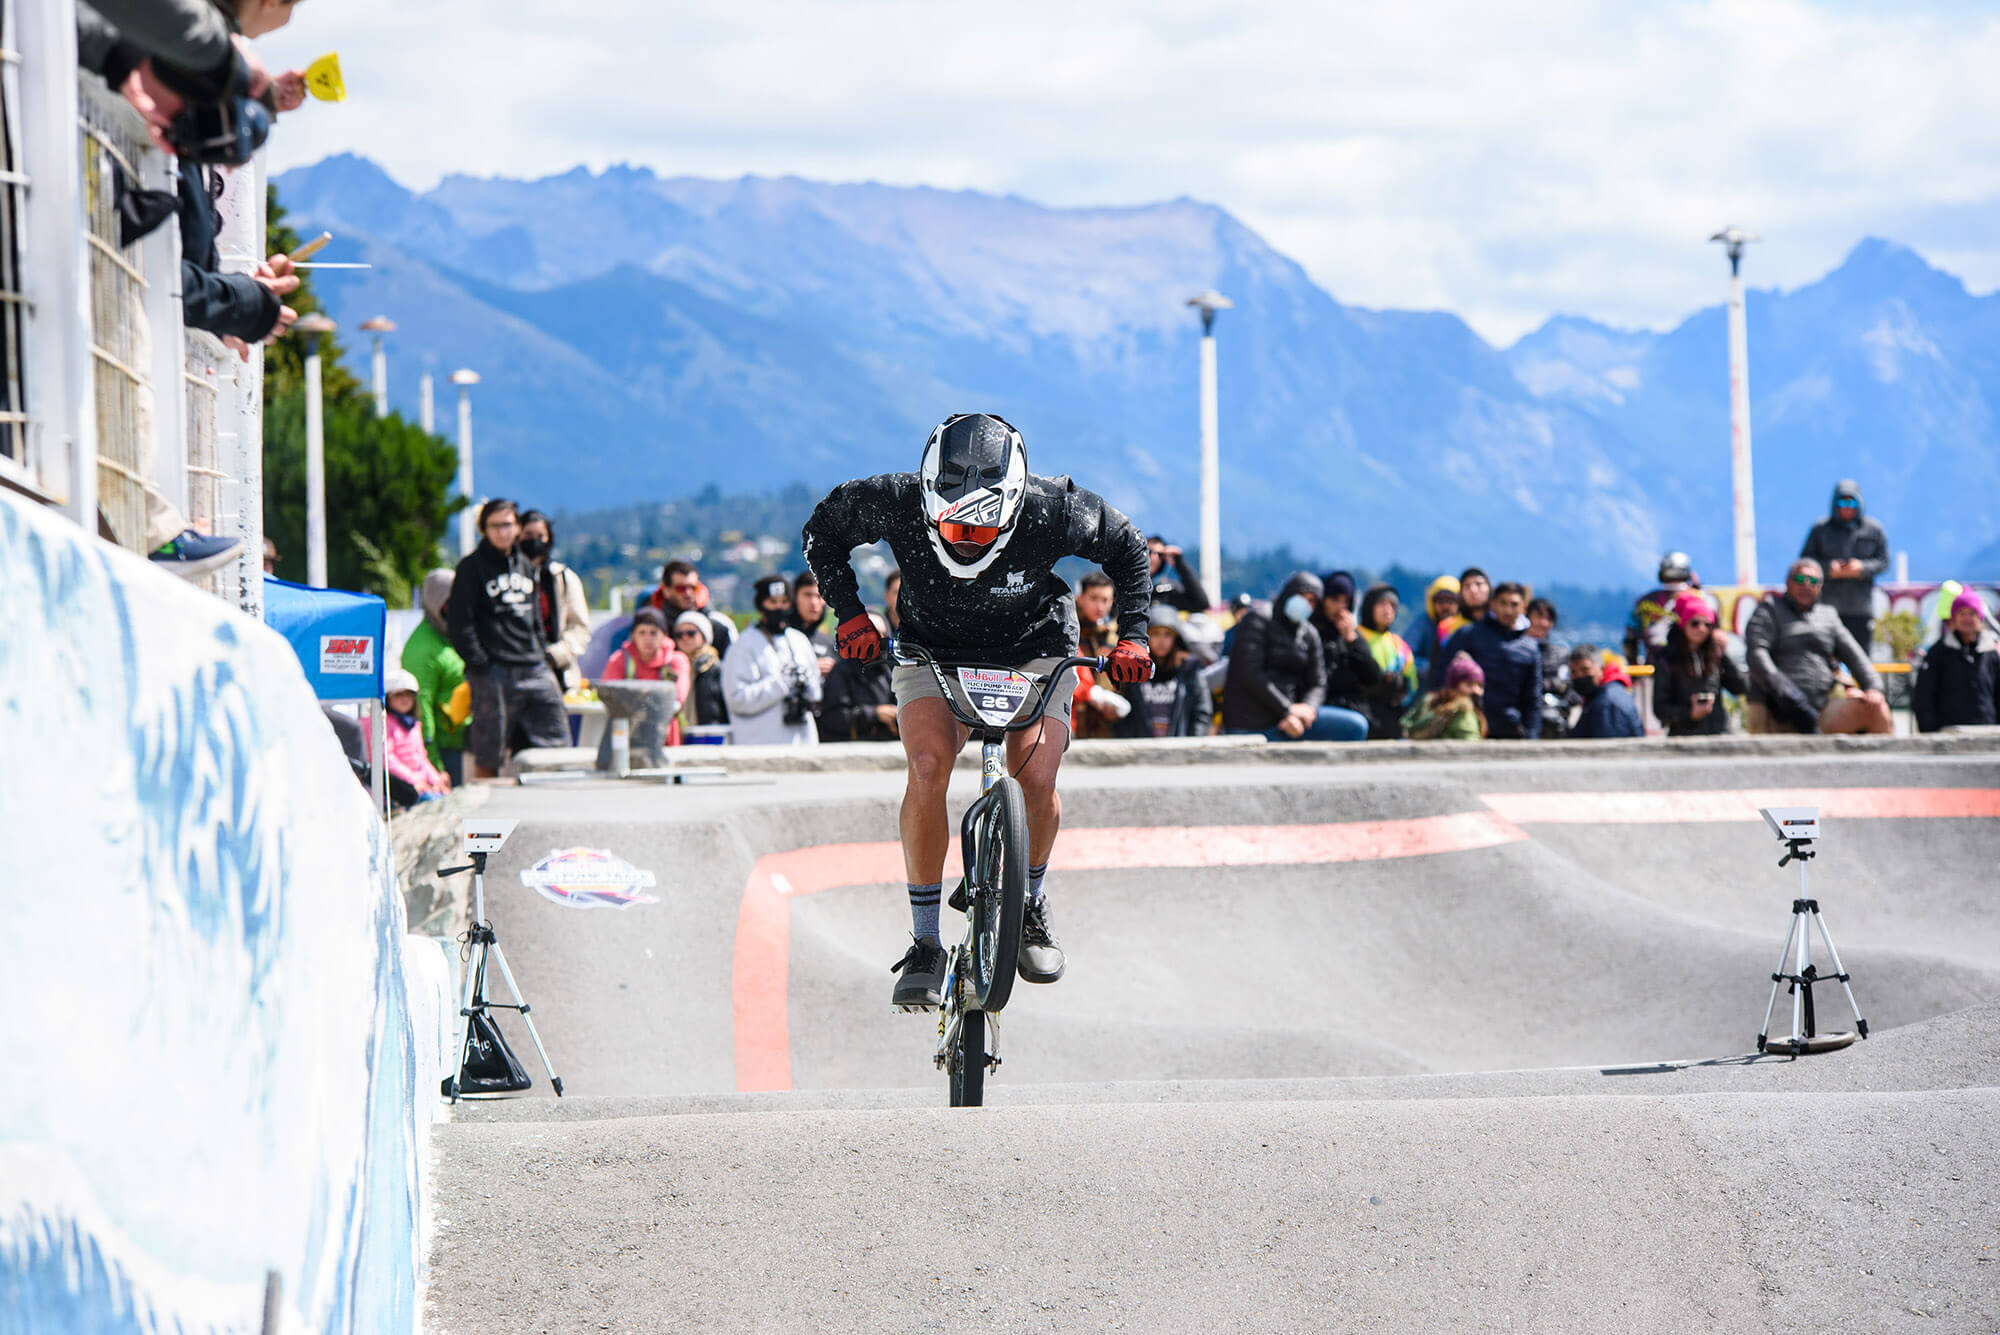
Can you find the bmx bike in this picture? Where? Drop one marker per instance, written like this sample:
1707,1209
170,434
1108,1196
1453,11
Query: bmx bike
991,701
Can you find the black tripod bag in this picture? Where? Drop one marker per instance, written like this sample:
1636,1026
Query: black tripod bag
490,1066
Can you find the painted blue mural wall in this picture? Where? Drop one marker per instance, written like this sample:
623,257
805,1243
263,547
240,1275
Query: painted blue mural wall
207,1063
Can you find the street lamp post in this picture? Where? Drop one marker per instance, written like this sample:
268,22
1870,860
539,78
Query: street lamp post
426,416
468,520
1733,240
379,326
1208,303
313,326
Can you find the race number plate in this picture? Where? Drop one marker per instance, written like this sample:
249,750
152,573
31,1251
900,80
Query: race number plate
997,694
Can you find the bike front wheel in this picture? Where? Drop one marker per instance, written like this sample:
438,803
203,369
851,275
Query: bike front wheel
1000,888
968,1062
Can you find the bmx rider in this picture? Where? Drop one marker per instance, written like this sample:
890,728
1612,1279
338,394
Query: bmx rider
977,537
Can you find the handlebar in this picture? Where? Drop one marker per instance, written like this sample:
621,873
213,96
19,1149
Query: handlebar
917,655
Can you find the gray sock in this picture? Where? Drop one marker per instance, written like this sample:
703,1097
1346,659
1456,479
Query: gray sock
1035,875
924,909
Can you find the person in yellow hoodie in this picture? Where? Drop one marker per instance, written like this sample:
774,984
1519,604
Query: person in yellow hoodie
444,701
1440,606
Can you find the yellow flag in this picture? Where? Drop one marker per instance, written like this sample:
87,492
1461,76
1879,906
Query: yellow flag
323,78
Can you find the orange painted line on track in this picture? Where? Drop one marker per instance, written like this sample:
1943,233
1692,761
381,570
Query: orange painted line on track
763,922
1707,806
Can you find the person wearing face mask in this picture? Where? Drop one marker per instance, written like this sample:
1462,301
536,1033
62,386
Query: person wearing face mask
559,598
1277,673
770,676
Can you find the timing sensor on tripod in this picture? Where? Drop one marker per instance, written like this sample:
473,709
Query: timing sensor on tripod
1796,826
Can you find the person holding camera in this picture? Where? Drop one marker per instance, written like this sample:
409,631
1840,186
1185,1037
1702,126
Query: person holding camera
770,676
1692,670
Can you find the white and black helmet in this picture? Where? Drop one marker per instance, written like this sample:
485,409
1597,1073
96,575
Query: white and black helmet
1676,568
974,474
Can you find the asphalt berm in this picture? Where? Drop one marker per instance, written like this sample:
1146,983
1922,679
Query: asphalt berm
1413,1044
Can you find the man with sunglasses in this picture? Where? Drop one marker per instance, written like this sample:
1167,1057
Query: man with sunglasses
978,537
1794,642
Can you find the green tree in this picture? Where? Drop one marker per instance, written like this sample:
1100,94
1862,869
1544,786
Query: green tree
388,481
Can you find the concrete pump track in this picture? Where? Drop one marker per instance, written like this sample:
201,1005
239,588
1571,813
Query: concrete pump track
1409,1045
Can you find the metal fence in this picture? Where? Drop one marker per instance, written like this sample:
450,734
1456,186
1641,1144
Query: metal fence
114,144
109,410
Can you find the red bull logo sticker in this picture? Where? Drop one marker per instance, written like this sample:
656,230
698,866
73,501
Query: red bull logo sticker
589,878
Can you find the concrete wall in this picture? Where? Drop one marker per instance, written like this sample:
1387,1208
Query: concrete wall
210,1063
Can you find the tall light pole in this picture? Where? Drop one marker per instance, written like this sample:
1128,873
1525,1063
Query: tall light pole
1208,303
426,416
313,326
379,326
1733,240
468,518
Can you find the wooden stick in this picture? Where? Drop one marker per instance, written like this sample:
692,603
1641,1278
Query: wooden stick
312,247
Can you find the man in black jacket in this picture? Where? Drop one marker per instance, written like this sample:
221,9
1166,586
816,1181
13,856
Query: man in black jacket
1176,702
860,704
1352,675
495,627
1958,684
1174,580
1852,549
977,537
1277,673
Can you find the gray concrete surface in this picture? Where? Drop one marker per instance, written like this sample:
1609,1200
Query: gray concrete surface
1368,1095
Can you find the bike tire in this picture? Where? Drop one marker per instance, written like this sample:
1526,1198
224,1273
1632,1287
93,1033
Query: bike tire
968,1067
999,895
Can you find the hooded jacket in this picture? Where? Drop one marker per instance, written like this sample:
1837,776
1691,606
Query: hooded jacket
565,614
1274,663
1512,661
440,672
1609,711
1192,710
492,610
1423,636
1353,677
1833,539
1958,685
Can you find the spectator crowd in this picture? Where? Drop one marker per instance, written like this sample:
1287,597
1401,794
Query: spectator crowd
507,633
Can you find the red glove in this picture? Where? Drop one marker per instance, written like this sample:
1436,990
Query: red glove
857,638
1131,661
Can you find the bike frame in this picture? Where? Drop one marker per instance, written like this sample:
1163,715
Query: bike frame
992,768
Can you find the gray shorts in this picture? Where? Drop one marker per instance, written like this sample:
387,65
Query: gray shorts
915,681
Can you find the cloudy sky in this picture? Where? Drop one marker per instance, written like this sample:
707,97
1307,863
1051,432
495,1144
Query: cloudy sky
1505,161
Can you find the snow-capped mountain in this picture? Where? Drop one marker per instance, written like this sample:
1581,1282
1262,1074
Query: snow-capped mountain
643,336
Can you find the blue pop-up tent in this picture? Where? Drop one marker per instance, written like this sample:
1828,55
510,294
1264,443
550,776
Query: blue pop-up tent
340,638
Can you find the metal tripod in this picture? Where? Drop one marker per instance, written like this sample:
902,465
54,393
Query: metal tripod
1805,1036
484,945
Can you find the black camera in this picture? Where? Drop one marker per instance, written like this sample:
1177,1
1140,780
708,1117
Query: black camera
798,704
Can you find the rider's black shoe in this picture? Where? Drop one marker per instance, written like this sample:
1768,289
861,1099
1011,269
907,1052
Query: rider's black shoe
1041,959
919,975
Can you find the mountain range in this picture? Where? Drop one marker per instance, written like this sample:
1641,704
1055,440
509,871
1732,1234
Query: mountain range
642,336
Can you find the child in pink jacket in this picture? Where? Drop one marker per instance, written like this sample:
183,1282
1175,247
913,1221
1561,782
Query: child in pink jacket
408,759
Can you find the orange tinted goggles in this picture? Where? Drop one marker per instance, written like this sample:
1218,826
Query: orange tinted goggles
979,533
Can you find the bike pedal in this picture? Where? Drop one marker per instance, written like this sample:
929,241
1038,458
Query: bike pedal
916,1010
959,900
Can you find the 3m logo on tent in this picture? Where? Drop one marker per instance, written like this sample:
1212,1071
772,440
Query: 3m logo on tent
347,654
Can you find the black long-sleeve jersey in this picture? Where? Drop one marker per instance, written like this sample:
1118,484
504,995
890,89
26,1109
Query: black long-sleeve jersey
1017,608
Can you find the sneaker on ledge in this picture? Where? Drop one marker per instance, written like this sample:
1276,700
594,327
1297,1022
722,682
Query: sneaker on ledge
193,554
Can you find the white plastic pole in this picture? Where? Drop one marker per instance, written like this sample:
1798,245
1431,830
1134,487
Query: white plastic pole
1739,427
1211,479
381,370
468,518
315,471
426,416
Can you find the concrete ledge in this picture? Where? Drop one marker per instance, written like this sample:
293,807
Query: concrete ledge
865,757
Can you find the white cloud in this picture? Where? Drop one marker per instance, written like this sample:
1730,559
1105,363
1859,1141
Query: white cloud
1502,161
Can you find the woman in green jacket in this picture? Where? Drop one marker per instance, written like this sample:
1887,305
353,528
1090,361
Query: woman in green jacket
444,702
